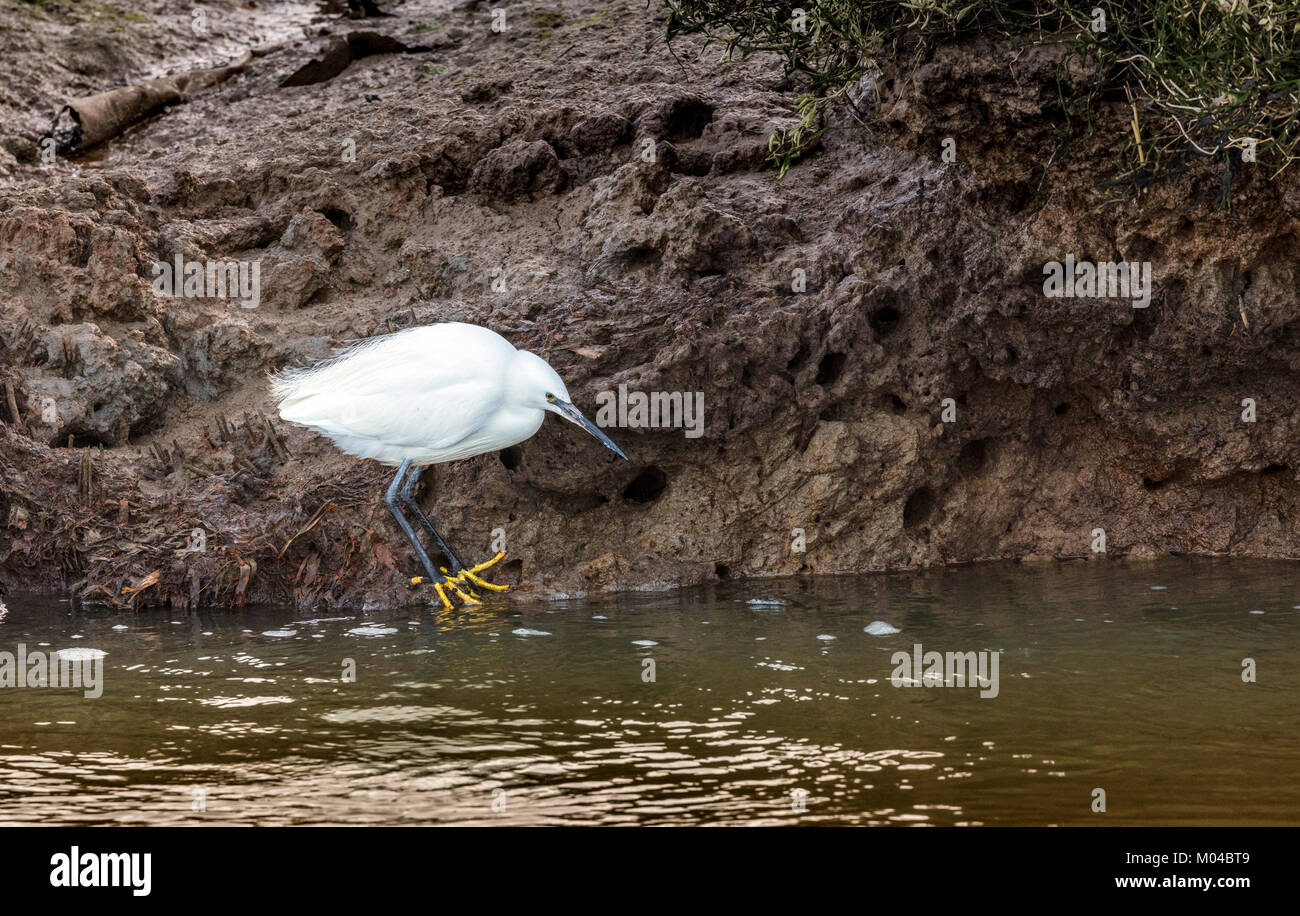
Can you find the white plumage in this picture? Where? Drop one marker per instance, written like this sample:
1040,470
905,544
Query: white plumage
424,396
428,395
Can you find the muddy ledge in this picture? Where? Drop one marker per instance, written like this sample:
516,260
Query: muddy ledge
403,189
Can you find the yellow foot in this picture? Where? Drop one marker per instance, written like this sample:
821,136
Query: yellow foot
461,585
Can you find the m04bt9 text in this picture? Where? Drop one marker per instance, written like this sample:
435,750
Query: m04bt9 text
1156,859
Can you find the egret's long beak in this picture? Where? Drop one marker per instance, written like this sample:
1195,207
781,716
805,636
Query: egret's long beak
574,416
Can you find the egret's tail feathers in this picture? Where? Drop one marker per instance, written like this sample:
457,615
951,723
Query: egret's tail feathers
285,384
358,362
293,386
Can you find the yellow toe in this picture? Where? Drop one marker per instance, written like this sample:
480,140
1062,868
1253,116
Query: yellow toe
486,563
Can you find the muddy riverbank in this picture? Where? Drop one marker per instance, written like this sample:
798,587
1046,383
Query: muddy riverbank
605,201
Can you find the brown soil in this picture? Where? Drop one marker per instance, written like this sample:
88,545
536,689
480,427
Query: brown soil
522,151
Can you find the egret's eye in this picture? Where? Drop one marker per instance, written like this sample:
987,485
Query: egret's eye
551,398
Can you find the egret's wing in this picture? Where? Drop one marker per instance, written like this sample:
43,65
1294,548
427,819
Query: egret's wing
427,388
407,418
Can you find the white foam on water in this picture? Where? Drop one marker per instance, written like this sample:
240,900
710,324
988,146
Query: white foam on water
279,632
524,631
825,637
880,628
644,642
1257,612
79,654
121,626
243,702
600,617
767,602
372,631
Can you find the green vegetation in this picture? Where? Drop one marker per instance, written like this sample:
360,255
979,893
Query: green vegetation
552,25
594,19
546,18
1202,78
78,9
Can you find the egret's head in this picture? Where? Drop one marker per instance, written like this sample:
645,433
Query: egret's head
535,384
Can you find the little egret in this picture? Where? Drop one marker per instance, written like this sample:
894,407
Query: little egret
424,396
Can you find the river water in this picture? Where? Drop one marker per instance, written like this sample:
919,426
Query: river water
748,703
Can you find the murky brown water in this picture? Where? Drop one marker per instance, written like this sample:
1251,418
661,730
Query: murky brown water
1121,678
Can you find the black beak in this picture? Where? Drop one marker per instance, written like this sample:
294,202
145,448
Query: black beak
574,415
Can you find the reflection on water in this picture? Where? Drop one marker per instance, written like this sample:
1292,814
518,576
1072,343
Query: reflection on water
735,705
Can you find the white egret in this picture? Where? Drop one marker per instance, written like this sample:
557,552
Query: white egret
424,396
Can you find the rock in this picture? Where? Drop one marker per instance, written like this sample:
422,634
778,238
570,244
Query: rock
114,387
599,133
519,168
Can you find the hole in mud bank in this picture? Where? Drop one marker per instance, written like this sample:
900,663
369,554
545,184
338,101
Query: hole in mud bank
722,571
1152,483
972,457
883,320
836,413
897,404
642,257
646,486
510,457
1275,469
919,507
1060,409
341,219
319,297
81,440
799,360
830,368
687,119
1206,351
512,571
578,503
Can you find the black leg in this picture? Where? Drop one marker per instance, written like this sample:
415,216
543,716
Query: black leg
390,500
407,495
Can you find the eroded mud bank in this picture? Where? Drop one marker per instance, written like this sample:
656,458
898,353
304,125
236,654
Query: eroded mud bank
407,187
